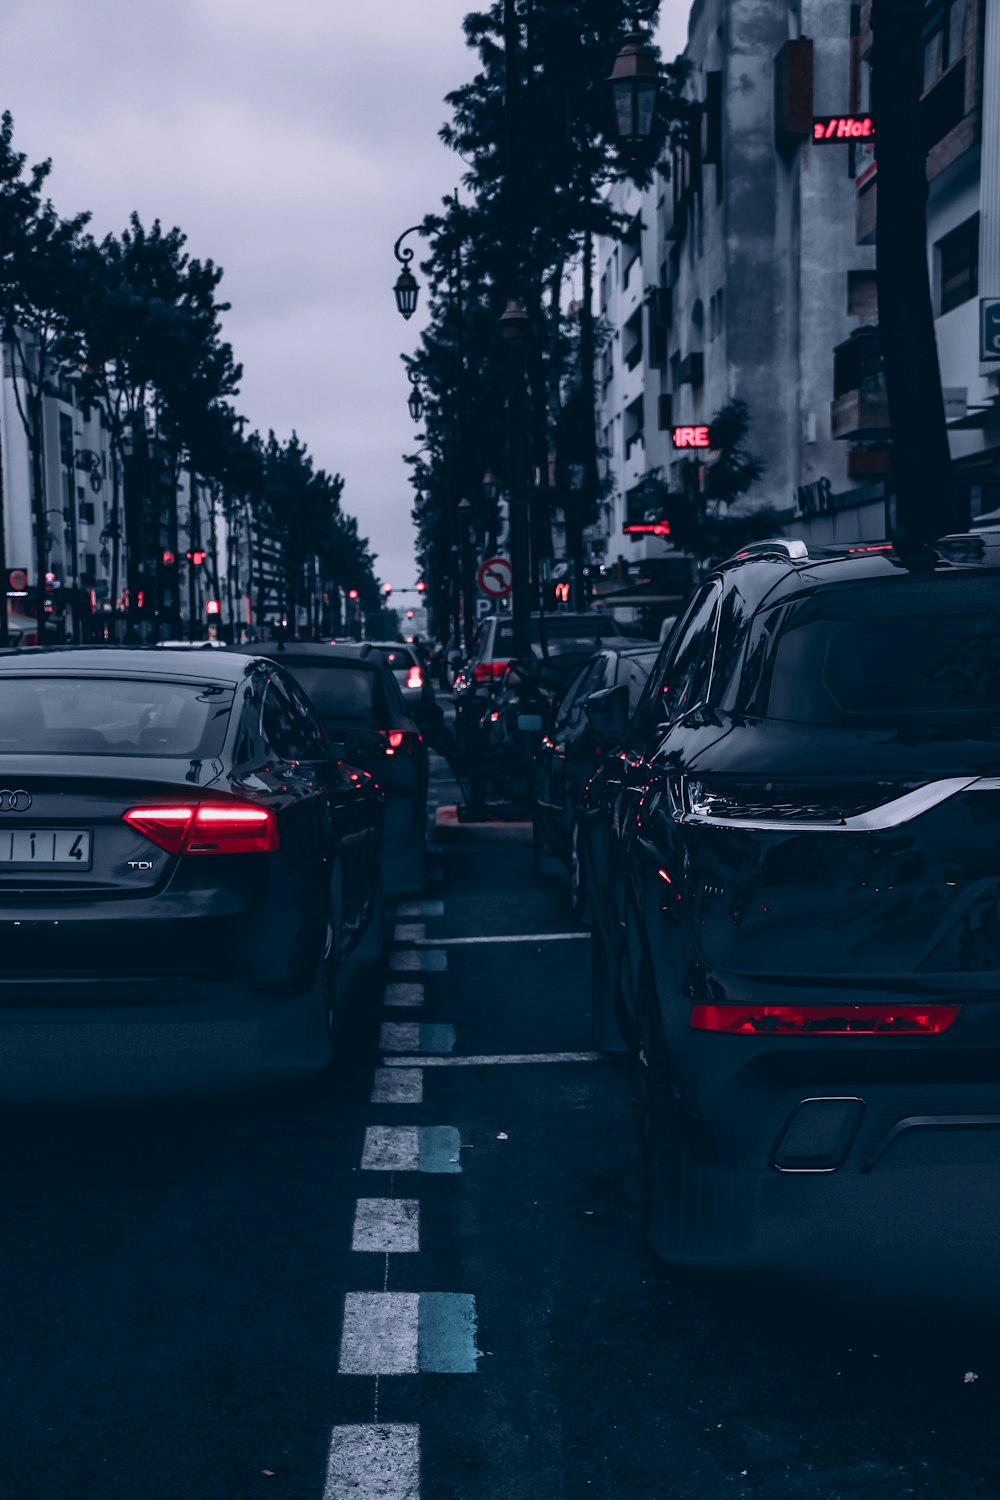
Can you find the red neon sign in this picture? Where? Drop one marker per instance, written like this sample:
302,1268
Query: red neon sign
648,528
843,128
690,437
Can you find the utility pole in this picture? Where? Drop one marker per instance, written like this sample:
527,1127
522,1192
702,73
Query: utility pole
515,328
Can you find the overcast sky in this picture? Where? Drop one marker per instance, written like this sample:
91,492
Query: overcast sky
292,141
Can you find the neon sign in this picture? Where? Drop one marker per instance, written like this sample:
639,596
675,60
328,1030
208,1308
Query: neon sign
690,437
648,528
843,128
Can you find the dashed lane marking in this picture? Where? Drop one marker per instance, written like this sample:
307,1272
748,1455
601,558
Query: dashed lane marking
420,909
404,1333
404,994
411,1148
374,1462
389,1226
398,1086
495,1061
507,937
411,961
409,932
412,1036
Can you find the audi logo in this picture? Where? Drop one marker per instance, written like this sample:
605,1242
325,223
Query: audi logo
18,801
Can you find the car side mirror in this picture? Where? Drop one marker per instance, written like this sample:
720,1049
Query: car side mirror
608,712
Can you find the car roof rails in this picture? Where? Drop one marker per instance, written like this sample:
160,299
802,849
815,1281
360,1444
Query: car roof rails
791,547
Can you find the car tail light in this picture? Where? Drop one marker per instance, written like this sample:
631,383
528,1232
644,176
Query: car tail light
396,738
824,1020
212,828
489,671
414,678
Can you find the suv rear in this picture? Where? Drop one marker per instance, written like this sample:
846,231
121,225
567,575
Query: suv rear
811,841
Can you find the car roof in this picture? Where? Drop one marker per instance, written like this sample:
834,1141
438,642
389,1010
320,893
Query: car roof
334,654
130,661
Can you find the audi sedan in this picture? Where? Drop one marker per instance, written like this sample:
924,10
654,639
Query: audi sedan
184,867
798,928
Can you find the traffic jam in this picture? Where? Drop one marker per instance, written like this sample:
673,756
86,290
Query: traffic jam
555,1074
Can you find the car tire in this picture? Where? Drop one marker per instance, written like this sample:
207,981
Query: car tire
544,862
579,881
605,988
661,1205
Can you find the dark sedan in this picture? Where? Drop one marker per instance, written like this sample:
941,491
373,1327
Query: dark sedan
356,695
184,866
798,856
569,755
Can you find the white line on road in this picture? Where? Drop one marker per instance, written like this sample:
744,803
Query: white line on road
404,994
381,1334
420,909
374,1462
389,1226
412,961
494,1061
409,932
401,1086
507,937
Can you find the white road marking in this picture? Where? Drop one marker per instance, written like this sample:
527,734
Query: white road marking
399,1036
404,994
509,937
420,909
391,1148
390,1226
374,1462
381,1334
400,1086
409,932
482,1062
411,961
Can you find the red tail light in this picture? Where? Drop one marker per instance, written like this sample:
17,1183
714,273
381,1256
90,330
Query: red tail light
414,678
213,828
824,1020
396,738
489,671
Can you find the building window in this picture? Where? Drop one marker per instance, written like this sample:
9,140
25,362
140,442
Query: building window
631,248
958,265
944,32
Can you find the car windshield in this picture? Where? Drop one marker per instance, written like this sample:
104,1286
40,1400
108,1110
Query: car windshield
112,716
339,690
924,654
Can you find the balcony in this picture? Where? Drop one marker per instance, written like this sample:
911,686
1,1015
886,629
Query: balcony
860,414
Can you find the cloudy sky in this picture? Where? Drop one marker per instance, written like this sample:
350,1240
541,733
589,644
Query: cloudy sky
292,140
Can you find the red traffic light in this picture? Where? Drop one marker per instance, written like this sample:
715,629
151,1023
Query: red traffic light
213,607
387,589
352,593
197,557
421,586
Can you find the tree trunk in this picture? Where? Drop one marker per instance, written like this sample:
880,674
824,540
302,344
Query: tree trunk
925,506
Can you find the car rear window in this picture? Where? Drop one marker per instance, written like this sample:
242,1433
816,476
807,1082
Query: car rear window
398,657
557,628
926,653
340,690
112,716
632,673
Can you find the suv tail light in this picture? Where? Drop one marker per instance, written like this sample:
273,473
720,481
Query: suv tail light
489,671
212,828
414,678
399,739
824,1020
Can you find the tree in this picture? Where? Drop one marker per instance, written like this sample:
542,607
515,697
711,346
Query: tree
926,504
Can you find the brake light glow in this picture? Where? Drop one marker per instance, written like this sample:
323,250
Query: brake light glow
414,678
396,737
489,671
824,1020
213,828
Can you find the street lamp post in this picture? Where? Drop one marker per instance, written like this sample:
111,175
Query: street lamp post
468,601
407,288
415,400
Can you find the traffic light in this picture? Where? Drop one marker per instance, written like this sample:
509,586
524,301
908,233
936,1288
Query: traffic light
409,614
352,593
387,589
197,557
421,586
213,607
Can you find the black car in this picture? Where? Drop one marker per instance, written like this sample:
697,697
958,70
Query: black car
355,694
570,753
797,851
184,865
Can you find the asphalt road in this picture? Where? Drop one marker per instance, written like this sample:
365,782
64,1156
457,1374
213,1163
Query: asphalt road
183,1314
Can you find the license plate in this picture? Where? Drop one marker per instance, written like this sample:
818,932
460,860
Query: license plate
45,848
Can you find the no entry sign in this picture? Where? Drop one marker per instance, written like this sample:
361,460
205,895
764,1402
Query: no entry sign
495,578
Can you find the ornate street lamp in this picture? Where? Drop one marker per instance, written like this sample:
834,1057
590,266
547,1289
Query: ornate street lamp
407,288
635,83
415,400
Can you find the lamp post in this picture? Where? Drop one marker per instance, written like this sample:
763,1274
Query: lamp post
468,601
415,400
635,82
407,288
